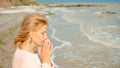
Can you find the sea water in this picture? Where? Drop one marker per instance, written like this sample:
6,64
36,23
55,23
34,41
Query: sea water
85,37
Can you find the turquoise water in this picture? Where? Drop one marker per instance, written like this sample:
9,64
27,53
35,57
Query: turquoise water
85,37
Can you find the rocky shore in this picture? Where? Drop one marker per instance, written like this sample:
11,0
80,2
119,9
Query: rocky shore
73,5
9,3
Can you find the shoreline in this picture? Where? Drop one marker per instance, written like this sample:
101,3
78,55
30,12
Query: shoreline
73,5
10,17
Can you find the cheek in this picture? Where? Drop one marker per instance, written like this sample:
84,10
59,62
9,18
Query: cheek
38,39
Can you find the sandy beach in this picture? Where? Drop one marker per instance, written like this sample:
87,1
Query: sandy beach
10,20
83,37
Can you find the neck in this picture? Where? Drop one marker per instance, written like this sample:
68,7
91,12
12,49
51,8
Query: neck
28,46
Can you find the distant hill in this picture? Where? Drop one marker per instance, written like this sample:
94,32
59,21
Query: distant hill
8,3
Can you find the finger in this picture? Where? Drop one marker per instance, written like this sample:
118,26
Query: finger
51,46
44,45
39,50
48,40
48,45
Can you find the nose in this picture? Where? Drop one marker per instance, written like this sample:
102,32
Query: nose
45,36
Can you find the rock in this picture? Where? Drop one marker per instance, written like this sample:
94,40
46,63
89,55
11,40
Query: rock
108,12
4,3
71,5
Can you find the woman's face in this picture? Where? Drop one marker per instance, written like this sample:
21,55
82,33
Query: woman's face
39,36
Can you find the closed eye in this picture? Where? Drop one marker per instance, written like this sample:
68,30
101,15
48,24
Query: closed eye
43,32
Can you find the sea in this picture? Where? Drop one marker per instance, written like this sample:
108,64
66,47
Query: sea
85,37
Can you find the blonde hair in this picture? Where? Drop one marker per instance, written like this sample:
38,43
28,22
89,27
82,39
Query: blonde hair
32,22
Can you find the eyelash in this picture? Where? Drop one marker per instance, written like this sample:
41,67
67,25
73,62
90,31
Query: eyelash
43,33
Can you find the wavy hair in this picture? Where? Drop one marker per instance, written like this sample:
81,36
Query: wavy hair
32,22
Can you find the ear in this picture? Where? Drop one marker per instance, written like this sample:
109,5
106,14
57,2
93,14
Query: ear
31,34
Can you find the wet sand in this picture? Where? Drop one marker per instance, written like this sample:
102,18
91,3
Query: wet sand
71,47
78,50
83,53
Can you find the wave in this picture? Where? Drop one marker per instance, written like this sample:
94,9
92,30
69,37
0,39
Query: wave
63,43
99,35
118,17
96,32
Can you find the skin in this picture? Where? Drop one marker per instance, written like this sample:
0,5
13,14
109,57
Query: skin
39,38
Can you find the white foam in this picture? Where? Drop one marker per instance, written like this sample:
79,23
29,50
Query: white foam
99,13
63,43
95,33
101,36
118,17
83,10
113,26
58,39
65,10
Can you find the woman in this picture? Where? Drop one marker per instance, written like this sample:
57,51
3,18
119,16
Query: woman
33,48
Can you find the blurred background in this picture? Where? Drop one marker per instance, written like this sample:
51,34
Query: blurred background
84,33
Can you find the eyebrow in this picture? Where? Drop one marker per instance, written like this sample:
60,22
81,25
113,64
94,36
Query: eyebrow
43,31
